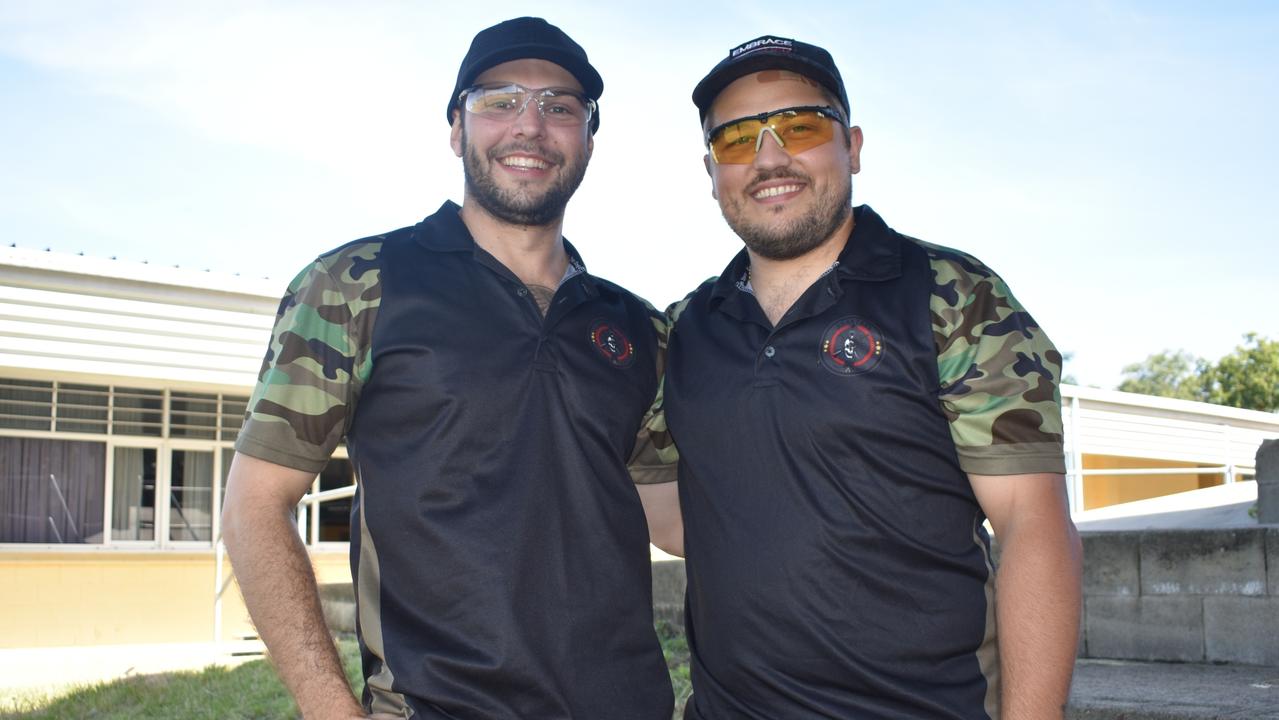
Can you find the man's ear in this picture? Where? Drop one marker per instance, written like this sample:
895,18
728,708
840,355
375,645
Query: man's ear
855,149
455,133
706,162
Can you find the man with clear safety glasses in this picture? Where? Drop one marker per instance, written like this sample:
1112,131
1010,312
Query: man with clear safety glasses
491,393
850,405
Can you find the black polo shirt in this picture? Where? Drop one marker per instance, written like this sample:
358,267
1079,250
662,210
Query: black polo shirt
837,564
499,546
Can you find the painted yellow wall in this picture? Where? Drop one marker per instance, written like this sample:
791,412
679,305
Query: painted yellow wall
331,566
50,599
1103,490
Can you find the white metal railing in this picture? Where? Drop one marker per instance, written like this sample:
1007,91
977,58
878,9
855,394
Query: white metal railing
1107,422
309,511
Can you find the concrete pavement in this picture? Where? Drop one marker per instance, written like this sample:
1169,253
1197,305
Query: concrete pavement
1102,689
1122,690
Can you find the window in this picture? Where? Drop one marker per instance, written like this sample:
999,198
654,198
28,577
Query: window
26,404
133,485
335,515
138,412
51,491
233,411
227,454
103,409
192,415
191,495
83,408
59,441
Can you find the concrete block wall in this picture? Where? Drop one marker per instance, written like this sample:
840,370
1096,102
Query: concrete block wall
669,583
1268,481
1182,595
337,600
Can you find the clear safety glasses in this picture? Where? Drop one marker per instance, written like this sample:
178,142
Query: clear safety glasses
557,106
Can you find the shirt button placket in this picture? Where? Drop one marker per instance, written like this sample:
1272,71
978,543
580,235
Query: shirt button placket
766,363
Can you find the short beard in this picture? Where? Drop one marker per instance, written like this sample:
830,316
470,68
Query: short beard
799,236
513,207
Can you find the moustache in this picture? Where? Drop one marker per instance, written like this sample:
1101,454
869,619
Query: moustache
529,148
778,174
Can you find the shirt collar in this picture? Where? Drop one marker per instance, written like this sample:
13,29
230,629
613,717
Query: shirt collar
444,231
872,253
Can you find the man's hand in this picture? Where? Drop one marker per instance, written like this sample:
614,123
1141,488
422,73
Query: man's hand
274,572
1037,590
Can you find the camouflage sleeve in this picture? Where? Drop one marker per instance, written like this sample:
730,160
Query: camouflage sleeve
655,458
998,369
317,361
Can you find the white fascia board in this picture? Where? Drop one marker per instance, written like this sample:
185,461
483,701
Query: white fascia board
59,272
44,366
1172,405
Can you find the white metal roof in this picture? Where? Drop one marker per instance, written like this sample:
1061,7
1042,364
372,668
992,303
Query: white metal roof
95,318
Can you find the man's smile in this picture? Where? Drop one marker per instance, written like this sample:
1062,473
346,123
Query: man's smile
524,161
769,192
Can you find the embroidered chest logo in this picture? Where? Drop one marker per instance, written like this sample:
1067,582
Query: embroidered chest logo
612,344
851,346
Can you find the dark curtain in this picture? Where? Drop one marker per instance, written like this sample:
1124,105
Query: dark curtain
51,491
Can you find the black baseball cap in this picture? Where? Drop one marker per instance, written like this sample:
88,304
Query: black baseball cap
521,38
770,52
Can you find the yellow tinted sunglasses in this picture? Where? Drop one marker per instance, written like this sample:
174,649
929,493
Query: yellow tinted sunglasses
795,129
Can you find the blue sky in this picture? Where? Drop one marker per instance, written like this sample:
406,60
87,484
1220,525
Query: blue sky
1115,162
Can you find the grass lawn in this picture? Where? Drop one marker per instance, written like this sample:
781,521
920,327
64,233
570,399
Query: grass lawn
247,692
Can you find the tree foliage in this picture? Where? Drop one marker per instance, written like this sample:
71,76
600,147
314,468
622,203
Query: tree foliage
1247,378
1174,374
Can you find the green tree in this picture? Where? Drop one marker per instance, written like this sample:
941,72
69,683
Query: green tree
1248,377
1174,374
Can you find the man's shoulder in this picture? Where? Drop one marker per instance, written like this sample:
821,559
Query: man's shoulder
356,266
698,298
951,263
363,249
610,289
959,276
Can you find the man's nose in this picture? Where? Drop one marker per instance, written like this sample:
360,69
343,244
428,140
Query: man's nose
769,152
529,121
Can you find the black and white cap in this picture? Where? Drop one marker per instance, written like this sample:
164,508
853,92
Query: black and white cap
770,52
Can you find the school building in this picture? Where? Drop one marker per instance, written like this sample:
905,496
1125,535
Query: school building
122,388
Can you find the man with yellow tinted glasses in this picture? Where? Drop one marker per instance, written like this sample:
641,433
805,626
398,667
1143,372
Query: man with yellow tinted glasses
850,404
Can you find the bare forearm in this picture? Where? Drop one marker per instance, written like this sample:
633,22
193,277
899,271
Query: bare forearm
1038,597
665,522
275,576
